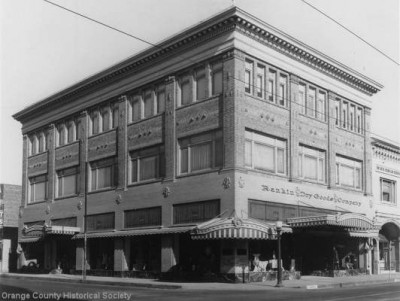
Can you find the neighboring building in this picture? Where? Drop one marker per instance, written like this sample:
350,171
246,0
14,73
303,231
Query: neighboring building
194,149
10,201
386,176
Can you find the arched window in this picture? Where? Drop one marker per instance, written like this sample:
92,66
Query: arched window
95,122
61,134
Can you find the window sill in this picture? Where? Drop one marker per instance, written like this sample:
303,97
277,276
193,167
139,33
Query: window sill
101,190
349,131
390,204
60,198
347,188
198,101
248,169
38,154
268,101
151,181
312,182
200,172
145,118
105,132
66,144
38,202
313,118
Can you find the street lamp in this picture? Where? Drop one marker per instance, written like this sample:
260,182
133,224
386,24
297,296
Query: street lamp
279,276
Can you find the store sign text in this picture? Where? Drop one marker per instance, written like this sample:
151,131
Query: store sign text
299,193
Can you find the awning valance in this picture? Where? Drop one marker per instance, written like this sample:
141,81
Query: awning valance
233,227
135,232
345,220
28,239
67,230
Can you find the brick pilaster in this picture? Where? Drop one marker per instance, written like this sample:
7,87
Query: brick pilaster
331,152
367,164
170,131
293,143
122,140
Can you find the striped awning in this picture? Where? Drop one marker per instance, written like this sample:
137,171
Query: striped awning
235,228
135,232
346,220
67,230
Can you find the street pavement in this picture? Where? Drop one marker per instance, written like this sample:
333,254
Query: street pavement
42,289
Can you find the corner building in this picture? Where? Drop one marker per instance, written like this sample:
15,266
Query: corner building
192,150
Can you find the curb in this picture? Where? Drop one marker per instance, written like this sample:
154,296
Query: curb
350,284
91,281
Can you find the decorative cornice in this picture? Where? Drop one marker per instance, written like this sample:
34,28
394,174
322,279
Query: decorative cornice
229,20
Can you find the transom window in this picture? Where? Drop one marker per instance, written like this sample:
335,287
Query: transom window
146,164
200,152
38,189
265,153
312,164
67,182
348,172
388,191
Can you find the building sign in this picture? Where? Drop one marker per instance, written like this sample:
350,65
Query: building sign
301,193
387,170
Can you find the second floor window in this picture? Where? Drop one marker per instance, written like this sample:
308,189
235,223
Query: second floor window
265,153
37,189
312,164
67,182
146,164
348,172
102,174
388,191
200,152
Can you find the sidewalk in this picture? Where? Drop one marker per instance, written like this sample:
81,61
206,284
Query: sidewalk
306,282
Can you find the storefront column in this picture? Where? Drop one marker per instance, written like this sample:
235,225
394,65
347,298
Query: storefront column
369,257
376,256
396,247
80,255
54,262
120,262
168,256
47,255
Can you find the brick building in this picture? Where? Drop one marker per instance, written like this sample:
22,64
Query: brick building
10,201
193,149
385,175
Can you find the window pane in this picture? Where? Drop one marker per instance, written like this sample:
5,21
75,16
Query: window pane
95,123
247,81
184,160
259,86
358,177
115,117
70,185
264,157
71,132
347,175
200,156
271,90
148,168
60,186
311,103
282,94
61,136
201,86
185,93
219,152
217,82
106,120
32,192
134,171
104,175
302,98
148,105
280,161
40,191
321,106
247,153
136,115
161,102
310,167
321,170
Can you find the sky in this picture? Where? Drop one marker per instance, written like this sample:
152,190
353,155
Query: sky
44,49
